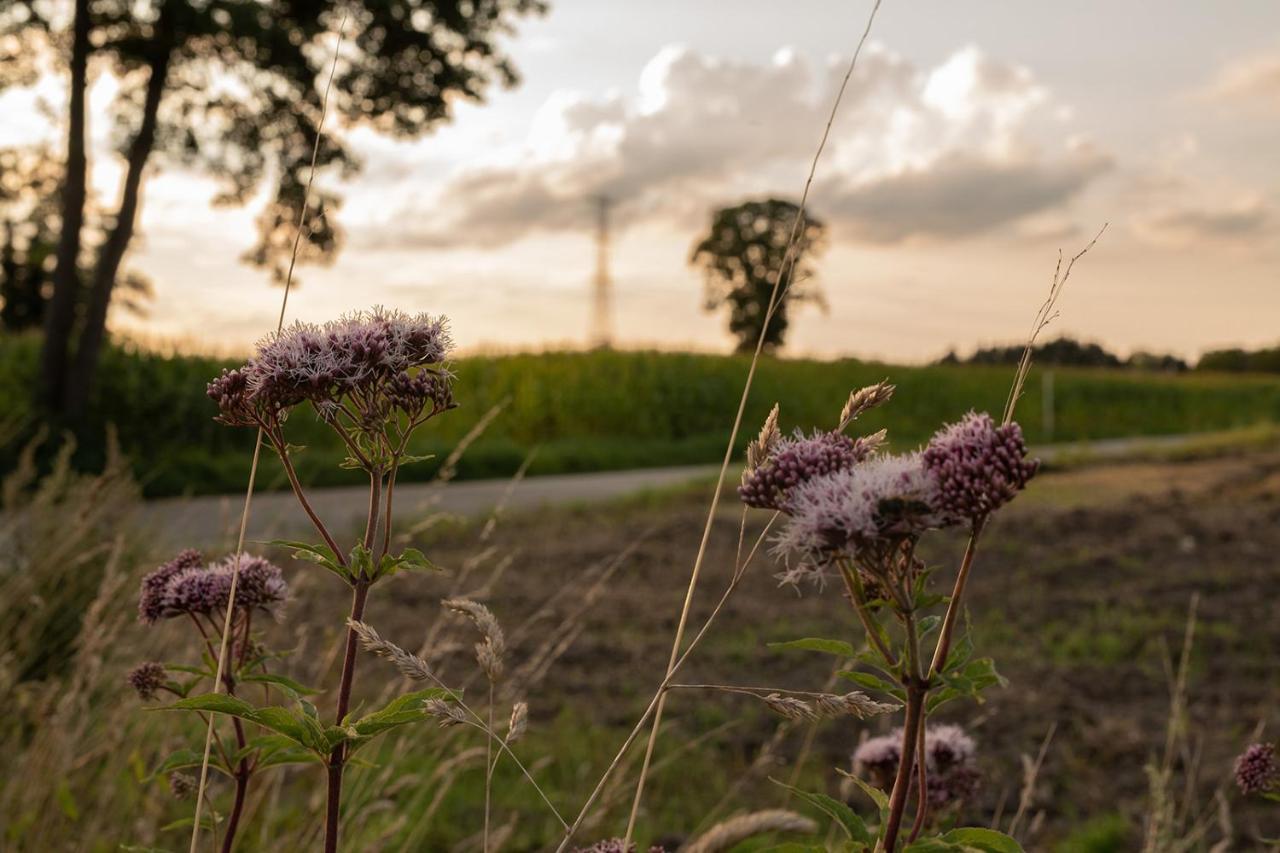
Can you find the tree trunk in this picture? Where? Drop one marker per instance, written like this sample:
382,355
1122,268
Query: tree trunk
61,313
80,381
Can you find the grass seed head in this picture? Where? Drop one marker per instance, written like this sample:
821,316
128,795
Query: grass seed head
409,664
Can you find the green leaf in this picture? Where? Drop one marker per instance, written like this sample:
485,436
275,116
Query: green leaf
981,839
360,562
929,624
290,687
847,818
839,648
873,682
321,555
400,711
190,670
410,558
960,653
795,847
410,459
880,798
299,728
940,697
183,759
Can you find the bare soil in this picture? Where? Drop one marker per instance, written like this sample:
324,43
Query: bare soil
1080,593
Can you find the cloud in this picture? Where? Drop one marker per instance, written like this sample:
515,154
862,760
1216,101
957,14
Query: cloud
1183,224
1252,81
958,195
941,153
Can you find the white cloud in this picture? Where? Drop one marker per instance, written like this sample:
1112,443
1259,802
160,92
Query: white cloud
942,153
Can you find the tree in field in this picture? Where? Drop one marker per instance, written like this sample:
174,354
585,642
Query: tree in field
234,88
30,220
742,255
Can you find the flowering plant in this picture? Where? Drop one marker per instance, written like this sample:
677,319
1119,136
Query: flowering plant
374,378
858,513
187,588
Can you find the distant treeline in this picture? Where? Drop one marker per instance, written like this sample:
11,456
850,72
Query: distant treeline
1242,361
1069,352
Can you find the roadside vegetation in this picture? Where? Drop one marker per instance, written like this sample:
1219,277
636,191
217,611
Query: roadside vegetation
608,410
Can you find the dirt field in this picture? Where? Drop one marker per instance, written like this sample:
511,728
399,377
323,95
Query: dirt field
1081,593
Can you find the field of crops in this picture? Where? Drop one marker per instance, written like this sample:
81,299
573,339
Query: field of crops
610,410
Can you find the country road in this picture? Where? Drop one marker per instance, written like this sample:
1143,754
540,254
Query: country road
212,520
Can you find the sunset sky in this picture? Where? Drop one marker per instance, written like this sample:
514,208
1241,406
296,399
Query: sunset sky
977,139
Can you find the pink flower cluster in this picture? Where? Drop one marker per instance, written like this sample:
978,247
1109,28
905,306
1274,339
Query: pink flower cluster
977,467
950,756
884,496
185,585
797,460
147,679
841,496
1257,770
371,355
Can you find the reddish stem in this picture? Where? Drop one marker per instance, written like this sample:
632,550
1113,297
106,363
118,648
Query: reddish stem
337,759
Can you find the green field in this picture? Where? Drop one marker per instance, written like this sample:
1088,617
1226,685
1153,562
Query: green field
610,410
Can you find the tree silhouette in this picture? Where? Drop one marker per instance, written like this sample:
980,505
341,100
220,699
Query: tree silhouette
30,221
234,88
742,256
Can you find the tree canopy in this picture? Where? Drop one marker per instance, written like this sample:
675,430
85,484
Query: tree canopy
742,255
235,88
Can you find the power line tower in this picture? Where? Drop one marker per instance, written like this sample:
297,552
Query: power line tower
601,334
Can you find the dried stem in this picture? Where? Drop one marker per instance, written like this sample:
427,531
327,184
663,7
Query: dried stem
738,574
788,263
957,597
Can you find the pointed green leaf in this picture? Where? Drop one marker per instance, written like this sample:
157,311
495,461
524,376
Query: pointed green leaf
981,839
290,687
873,682
839,648
852,825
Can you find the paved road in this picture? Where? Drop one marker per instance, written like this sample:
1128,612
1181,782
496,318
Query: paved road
212,520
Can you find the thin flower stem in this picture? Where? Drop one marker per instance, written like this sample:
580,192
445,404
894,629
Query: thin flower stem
242,774
922,794
856,594
957,597
375,496
337,758
301,495
391,489
902,781
488,772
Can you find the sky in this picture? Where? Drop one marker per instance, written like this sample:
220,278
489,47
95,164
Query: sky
976,140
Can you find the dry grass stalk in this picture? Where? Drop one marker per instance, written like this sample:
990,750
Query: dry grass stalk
490,651
1046,315
726,834
409,664
1030,774
863,400
788,263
